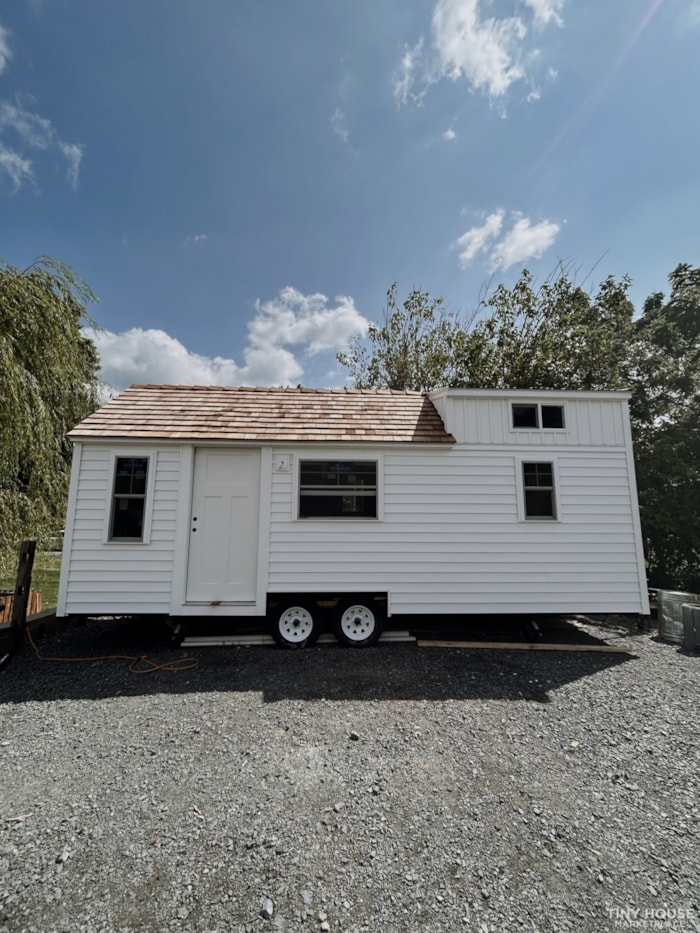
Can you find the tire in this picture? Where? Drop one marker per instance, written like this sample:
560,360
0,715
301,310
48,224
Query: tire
295,623
358,622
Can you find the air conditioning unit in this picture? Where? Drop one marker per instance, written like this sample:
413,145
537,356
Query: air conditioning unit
670,614
691,626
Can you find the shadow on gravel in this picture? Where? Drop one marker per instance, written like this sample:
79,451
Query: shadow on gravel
387,672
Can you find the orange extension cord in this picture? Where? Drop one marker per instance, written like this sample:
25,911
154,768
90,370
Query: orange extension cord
139,665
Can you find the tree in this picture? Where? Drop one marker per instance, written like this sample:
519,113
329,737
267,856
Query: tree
415,347
49,378
557,336
665,412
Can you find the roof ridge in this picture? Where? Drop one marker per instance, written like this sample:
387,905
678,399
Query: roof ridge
183,387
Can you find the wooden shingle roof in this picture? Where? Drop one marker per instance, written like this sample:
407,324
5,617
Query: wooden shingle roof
240,413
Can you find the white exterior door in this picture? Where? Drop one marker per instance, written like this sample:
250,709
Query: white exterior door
223,530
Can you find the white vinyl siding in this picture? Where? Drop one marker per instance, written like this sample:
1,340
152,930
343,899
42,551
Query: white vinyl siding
451,540
120,576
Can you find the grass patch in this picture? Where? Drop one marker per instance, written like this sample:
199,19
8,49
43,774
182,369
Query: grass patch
47,568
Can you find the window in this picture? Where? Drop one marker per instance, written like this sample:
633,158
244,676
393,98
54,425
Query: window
538,487
535,416
552,416
338,489
525,416
129,499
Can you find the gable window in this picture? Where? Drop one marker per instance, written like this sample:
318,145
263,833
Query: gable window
129,499
525,416
338,489
538,416
552,416
538,489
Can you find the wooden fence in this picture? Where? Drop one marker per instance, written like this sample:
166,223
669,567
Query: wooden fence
7,602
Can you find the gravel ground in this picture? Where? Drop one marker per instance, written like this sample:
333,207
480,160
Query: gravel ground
393,789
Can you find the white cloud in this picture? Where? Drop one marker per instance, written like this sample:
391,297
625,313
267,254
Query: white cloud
74,156
197,238
339,125
524,240
307,323
19,169
490,53
407,78
546,11
449,135
294,318
477,239
33,129
33,132
5,50
484,51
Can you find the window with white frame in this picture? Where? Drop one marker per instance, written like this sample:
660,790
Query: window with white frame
533,415
338,489
539,494
127,519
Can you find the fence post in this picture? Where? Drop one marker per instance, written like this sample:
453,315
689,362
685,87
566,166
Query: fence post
18,620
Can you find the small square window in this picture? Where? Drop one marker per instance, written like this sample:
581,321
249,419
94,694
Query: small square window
552,416
129,499
525,416
538,487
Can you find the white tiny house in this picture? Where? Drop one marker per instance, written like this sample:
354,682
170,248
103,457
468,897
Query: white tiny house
230,502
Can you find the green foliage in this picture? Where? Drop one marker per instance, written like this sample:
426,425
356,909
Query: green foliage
48,382
554,337
559,336
665,420
415,347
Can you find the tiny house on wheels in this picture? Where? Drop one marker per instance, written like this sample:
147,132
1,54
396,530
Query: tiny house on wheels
288,504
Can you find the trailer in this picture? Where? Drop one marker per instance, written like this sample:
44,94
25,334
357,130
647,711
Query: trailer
289,505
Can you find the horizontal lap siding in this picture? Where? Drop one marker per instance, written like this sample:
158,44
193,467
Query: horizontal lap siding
121,578
451,541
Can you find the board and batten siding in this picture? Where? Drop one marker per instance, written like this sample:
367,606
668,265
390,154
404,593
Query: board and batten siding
119,577
451,540
475,417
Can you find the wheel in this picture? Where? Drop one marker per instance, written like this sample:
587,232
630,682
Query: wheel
295,623
358,622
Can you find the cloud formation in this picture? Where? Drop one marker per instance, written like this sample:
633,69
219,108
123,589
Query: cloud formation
308,324
546,11
524,240
339,125
22,129
488,52
5,50
197,238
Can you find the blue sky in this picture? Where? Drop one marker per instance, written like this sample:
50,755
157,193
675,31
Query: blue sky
240,182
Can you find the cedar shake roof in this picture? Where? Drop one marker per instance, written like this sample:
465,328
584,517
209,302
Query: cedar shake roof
240,413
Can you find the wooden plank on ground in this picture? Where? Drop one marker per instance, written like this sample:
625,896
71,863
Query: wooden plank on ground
521,646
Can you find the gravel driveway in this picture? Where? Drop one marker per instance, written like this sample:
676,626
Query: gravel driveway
393,789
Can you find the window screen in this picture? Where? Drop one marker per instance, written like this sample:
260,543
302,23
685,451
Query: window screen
338,489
